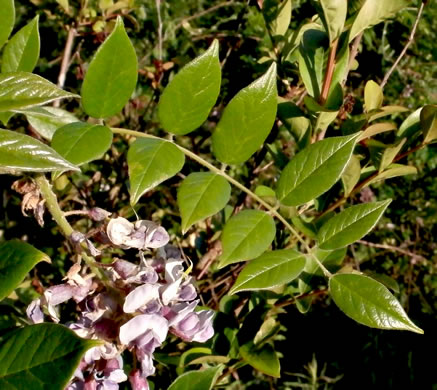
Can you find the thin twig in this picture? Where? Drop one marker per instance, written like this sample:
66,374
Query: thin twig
158,12
329,73
404,50
352,56
391,248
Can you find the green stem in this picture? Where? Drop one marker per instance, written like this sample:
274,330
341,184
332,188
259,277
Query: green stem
237,184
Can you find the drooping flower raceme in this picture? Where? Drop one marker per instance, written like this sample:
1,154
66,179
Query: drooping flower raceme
154,298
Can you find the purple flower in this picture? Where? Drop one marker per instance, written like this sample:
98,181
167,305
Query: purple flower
137,381
140,297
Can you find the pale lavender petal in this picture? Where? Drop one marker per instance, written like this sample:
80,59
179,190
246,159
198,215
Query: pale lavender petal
92,249
187,292
108,385
147,366
189,323
179,311
206,329
90,385
173,270
155,236
142,323
137,381
34,312
118,230
125,268
169,292
58,294
97,214
76,385
117,376
140,296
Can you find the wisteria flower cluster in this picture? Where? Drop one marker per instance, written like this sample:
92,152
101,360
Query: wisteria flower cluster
134,309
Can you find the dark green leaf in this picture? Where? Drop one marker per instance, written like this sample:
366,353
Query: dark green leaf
150,162
201,195
270,270
17,258
350,225
19,90
428,121
247,120
19,152
246,236
7,20
112,75
369,303
190,96
264,360
22,51
197,380
314,170
41,357
82,142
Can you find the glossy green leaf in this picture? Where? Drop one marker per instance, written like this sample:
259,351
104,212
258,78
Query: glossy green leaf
246,235
373,12
82,142
333,17
351,175
387,281
385,111
428,121
197,380
375,129
314,170
247,120
22,51
270,270
5,117
369,303
112,75
189,97
372,96
264,360
411,125
41,357
17,258
201,195
390,154
150,162
394,170
350,225
7,20
277,14
19,90
46,120
19,152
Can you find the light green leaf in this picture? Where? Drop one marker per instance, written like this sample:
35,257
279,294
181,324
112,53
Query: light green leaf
264,360
46,120
82,142
369,303
389,154
112,75
197,380
22,51
270,270
385,111
277,14
186,102
7,20
19,152
246,236
411,125
350,225
247,120
428,121
5,116
19,90
314,170
394,170
351,175
375,129
372,96
333,17
201,195
373,12
41,357
150,162
17,258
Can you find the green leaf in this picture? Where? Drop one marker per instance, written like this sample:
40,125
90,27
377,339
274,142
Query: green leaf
428,121
41,357
82,142
197,380
17,258
277,14
394,170
19,90
201,195
5,116
375,129
333,17
150,162
411,125
390,154
46,120
373,12
385,111
246,236
372,96
350,225
22,51
187,100
270,270
247,120
112,75
314,170
7,20
264,360
351,175
19,152
369,303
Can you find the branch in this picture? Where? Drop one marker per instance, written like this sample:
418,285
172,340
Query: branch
391,248
329,73
353,54
404,50
158,11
